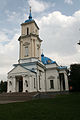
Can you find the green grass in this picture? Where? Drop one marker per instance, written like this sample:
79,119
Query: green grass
66,107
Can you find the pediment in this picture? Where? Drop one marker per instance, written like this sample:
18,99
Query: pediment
19,69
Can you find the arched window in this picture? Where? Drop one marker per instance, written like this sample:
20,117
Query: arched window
27,31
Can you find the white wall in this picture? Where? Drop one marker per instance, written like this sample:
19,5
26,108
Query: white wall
52,75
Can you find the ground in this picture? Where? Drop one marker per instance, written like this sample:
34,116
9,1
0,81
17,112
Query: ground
62,107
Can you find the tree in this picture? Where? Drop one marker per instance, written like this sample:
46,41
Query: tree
3,86
74,78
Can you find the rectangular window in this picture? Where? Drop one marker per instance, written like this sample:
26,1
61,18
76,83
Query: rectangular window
39,83
51,84
26,51
34,83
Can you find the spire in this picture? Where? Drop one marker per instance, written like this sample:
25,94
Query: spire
30,16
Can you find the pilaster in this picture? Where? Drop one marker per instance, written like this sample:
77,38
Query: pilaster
24,78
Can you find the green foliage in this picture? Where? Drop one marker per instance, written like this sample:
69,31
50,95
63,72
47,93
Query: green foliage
75,77
3,86
66,107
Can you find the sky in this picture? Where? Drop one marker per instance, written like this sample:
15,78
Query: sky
59,23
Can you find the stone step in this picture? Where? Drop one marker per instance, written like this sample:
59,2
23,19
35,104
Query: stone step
16,96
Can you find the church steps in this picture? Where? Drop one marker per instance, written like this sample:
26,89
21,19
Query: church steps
16,96
20,97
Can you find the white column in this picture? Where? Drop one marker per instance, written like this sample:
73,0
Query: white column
66,82
30,83
14,84
23,83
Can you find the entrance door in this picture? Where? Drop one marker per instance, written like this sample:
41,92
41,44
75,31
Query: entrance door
20,85
62,81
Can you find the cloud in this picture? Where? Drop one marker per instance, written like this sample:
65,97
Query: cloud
3,4
39,6
69,2
60,34
3,37
9,55
13,16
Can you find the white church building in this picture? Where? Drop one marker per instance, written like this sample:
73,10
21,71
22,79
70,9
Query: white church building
35,72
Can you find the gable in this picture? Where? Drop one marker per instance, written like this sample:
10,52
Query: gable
19,69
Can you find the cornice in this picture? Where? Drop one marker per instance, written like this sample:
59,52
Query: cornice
30,23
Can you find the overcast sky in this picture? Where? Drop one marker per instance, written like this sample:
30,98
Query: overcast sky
59,23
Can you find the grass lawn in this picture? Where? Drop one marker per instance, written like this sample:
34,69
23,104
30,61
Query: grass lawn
66,107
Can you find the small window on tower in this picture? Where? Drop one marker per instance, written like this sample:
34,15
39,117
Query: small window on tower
26,51
27,31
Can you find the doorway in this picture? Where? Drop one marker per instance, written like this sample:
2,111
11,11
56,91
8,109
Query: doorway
19,83
62,81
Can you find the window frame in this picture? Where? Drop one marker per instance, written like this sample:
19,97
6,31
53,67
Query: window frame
27,31
34,83
26,51
52,84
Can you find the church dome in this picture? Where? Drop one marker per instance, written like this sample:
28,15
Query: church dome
30,17
46,60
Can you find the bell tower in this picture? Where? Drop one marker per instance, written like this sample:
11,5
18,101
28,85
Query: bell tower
30,43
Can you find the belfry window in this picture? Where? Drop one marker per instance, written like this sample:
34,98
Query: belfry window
26,51
27,31
51,84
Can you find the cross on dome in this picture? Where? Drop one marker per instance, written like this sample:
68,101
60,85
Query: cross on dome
30,17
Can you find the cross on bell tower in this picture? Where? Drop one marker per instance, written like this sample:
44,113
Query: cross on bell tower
30,16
